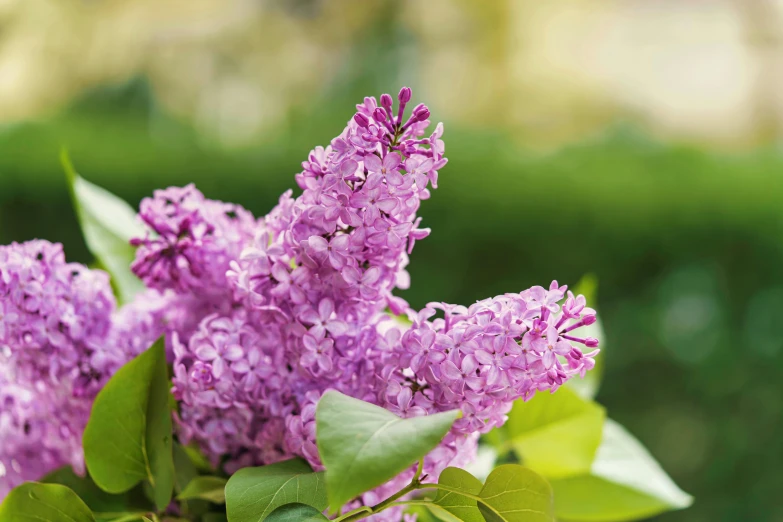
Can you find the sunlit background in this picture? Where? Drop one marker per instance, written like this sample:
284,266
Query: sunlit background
637,140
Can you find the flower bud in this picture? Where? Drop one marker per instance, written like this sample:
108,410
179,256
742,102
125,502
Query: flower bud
386,102
588,320
591,342
421,112
361,120
405,95
379,115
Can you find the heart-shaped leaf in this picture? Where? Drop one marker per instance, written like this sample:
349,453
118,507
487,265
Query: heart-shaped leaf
363,445
462,507
253,493
206,488
48,502
516,494
128,437
108,223
624,483
512,493
555,434
296,513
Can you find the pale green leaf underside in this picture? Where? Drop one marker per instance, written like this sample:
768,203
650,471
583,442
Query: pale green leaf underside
624,483
108,223
556,434
253,493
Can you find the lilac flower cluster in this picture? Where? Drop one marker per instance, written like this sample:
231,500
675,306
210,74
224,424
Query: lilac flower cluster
55,315
191,242
312,285
480,359
60,341
40,430
262,316
308,311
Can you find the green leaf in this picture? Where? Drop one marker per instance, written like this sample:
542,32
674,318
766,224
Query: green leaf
296,513
462,507
587,386
128,437
95,498
515,493
46,502
207,488
108,223
253,493
486,459
556,434
624,483
512,493
184,472
214,517
427,512
185,469
363,445
197,458
434,511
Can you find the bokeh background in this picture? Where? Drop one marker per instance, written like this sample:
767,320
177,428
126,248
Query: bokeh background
638,140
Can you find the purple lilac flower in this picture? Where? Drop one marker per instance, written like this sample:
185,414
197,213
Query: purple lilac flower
56,315
311,286
60,341
40,430
263,316
190,240
482,358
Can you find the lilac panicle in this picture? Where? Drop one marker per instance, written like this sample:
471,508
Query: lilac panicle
482,358
55,315
190,240
60,341
263,316
310,291
311,294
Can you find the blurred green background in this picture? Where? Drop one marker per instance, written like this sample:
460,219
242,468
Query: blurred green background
635,140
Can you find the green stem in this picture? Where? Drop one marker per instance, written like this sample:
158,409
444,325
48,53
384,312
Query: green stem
450,489
365,511
419,469
122,515
404,503
109,514
352,515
